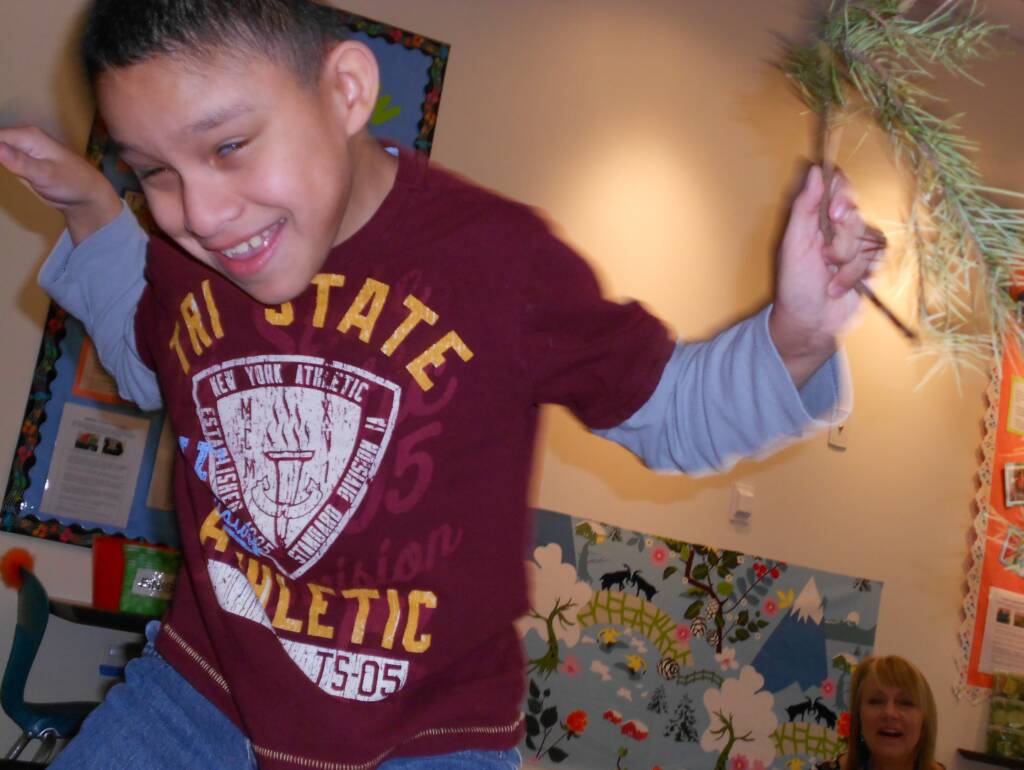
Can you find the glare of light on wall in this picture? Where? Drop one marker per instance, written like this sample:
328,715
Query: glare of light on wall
638,207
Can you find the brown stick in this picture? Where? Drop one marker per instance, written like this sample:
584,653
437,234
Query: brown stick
863,290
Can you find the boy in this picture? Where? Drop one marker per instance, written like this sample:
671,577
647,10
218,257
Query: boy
352,359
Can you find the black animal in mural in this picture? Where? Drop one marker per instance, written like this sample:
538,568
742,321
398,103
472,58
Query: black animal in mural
823,713
799,709
620,578
642,585
862,584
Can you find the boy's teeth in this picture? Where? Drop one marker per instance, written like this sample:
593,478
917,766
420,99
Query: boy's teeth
248,246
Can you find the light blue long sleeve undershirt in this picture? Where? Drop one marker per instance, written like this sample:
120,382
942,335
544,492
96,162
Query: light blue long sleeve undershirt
717,401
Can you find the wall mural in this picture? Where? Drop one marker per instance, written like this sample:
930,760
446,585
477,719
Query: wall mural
646,652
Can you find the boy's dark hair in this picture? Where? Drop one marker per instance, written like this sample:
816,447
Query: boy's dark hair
296,33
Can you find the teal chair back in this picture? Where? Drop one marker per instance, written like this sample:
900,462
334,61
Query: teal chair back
36,720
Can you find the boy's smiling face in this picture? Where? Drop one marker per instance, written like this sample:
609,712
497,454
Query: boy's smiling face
247,169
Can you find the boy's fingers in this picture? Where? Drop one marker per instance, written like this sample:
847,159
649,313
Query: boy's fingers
22,164
23,138
847,276
859,262
851,238
32,142
32,173
13,159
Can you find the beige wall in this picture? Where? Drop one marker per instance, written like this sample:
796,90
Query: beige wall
655,133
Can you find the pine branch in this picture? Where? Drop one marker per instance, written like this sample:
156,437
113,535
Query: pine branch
870,55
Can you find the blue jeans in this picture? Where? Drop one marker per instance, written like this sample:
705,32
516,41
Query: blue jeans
155,720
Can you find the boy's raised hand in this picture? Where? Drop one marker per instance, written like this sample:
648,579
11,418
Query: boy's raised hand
62,178
815,290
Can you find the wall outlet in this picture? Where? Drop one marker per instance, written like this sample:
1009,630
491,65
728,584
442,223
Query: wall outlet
742,506
839,436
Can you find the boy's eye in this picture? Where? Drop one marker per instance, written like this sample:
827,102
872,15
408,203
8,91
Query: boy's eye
229,148
148,173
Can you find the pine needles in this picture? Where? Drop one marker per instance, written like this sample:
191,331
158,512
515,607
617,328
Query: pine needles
872,55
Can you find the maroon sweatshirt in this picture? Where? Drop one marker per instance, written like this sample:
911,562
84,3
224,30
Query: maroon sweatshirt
353,476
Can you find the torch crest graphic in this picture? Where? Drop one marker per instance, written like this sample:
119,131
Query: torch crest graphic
297,442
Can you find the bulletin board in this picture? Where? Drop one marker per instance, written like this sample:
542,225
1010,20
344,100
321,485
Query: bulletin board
992,631
86,461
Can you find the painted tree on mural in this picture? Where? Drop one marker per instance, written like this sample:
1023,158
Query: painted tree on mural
683,725
556,598
659,701
726,602
592,534
844,663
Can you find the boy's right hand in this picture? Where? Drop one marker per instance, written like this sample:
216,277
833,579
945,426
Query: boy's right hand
62,178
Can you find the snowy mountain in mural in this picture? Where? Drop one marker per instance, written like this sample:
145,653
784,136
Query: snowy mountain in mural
795,651
647,652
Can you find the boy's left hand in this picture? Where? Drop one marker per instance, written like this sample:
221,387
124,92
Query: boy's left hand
815,294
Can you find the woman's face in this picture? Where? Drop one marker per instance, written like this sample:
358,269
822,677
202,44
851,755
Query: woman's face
890,721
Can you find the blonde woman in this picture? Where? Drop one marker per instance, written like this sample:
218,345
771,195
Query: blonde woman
893,721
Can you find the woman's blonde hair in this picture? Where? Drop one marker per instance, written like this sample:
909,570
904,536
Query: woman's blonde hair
892,671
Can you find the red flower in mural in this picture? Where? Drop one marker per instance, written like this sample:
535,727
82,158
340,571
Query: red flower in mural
659,555
843,725
570,666
739,763
576,722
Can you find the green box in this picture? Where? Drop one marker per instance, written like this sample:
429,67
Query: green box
1006,684
1005,742
1006,712
149,576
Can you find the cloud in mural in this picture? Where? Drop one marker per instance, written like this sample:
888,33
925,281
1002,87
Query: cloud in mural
553,584
742,718
795,652
602,670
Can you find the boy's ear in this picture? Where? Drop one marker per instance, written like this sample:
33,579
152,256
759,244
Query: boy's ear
352,76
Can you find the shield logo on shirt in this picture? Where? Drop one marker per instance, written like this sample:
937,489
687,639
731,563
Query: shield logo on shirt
295,442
